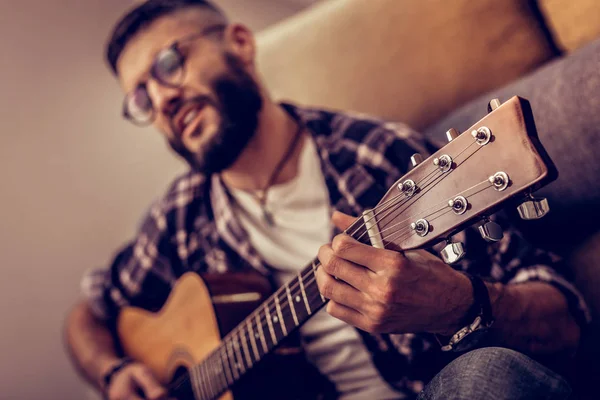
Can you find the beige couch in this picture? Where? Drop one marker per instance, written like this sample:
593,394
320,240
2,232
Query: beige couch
417,60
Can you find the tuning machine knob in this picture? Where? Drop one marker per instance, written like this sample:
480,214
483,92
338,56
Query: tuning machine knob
452,252
416,159
533,208
490,231
493,104
451,134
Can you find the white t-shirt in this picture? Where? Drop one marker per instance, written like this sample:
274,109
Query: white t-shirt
300,209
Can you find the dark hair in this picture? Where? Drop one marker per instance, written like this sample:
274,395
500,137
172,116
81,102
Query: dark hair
142,16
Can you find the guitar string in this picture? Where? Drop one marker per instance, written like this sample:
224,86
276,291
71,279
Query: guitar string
391,210
443,176
246,335
285,301
433,212
237,352
270,302
379,209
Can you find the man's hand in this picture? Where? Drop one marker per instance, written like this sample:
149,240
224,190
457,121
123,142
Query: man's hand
381,290
134,378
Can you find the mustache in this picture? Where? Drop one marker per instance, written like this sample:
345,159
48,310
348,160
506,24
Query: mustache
200,100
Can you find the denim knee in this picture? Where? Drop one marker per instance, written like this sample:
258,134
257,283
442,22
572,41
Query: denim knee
496,373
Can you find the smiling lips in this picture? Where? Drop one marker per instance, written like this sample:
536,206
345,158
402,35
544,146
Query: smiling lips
185,118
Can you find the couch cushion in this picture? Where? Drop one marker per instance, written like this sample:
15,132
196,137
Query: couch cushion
573,23
406,60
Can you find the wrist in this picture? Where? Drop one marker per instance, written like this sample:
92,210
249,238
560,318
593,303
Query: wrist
476,322
462,303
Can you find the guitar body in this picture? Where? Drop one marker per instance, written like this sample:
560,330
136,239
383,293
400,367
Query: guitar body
198,312
498,161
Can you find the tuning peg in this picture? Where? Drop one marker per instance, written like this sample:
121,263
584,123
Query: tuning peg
452,252
493,104
533,208
451,134
490,231
416,159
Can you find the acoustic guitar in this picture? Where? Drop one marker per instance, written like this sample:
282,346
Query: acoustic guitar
201,344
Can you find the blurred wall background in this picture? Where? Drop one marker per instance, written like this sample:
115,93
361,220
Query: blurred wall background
74,178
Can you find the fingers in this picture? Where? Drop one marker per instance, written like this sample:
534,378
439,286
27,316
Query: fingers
149,385
355,275
339,291
354,318
373,258
135,382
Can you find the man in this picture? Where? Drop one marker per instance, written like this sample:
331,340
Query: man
263,181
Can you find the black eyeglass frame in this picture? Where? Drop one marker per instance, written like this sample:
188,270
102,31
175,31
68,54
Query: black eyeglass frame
175,47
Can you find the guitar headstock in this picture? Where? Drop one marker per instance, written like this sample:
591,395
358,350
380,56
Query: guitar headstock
497,160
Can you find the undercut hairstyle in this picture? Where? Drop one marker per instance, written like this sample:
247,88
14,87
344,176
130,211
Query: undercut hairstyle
142,16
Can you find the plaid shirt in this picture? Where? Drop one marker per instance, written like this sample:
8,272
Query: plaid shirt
194,228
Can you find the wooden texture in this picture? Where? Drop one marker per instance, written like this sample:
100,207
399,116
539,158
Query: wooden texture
182,333
404,60
186,330
513,149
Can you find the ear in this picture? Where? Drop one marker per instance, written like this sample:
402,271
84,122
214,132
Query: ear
239,40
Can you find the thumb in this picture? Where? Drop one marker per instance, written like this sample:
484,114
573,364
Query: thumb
341,220
149,385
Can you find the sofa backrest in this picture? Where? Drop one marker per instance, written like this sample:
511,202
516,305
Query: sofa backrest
405,60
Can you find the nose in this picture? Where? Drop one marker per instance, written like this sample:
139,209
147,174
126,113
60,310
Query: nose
165,99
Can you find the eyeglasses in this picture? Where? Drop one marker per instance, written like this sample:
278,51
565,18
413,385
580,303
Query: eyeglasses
168,69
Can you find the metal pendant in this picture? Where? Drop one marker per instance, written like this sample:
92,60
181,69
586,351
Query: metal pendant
268,217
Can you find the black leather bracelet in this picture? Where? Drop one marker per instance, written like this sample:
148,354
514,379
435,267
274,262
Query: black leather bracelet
481,304
476,322
111,373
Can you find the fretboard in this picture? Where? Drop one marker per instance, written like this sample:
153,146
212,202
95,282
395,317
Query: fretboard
263,330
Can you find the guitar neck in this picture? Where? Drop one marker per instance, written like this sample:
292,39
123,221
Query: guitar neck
261,332
497,160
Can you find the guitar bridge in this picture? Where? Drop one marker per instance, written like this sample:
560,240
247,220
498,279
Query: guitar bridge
373,229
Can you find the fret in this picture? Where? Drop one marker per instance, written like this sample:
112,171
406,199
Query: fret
291,303
299,308
242,337
308,310
314,268
269,323
234,367
196,383
313,295
278,307
226,367
216,371
238,355
261,333
206,381
252,339
201,382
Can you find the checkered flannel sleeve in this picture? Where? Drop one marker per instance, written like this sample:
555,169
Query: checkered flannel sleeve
141,273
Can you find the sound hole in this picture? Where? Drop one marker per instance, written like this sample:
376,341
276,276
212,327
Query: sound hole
180,386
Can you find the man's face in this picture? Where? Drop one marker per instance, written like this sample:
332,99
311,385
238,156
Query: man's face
212,114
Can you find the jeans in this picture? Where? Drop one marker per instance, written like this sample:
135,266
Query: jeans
495,373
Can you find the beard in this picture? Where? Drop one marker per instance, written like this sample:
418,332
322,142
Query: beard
238,102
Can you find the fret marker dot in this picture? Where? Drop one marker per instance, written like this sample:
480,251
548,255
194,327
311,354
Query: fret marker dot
297,299
275,319
256,335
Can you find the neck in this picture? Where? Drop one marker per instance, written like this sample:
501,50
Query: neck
275,132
